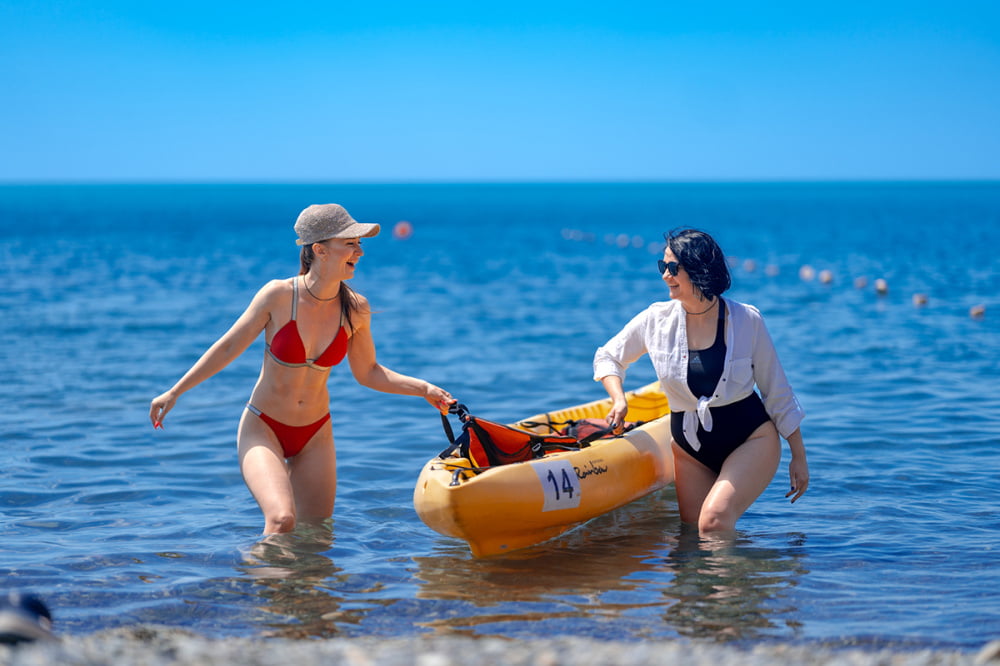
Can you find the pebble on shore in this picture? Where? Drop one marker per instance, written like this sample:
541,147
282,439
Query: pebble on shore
164,646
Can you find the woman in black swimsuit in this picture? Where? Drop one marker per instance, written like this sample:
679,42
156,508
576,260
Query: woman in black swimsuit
710,353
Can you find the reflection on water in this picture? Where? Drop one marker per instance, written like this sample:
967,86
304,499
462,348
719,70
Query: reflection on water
296,581
634,573
732,590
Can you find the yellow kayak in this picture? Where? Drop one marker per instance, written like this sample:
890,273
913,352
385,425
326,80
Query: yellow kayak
503,508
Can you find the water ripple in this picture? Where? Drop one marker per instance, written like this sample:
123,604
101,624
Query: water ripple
894,544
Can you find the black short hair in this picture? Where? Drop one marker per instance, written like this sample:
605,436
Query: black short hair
702,258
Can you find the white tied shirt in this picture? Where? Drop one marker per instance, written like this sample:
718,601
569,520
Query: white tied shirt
661,331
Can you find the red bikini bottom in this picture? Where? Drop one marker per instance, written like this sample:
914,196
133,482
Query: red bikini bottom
292,438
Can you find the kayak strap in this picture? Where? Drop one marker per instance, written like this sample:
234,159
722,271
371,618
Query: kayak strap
488,444
585,430
462,412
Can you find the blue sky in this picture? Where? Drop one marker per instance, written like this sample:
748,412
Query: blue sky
517,91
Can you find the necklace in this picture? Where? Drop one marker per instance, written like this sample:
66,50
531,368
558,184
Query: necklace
714,303
306,285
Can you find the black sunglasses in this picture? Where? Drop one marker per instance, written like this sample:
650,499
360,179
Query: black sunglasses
665,266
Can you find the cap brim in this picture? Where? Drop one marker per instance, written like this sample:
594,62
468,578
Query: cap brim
367,230
356,230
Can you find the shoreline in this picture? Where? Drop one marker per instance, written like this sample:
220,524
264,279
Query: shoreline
149,645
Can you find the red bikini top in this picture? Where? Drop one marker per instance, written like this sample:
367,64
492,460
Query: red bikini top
288,349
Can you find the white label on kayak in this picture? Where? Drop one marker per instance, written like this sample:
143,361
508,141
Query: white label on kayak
559,484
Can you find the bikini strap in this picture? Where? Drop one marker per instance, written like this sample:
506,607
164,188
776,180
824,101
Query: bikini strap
295,297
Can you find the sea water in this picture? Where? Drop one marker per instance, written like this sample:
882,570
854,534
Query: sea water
501,295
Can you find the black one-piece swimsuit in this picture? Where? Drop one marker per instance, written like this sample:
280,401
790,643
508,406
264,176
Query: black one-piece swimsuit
731,424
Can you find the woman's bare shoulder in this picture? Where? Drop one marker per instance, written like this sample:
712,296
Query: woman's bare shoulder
359,302
361,313
274,292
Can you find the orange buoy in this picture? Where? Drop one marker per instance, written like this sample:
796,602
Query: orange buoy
881,287
919,299
860,282
826,276
402,230
807,272
977,311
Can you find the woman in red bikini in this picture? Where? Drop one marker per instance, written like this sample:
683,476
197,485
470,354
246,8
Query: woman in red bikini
310,323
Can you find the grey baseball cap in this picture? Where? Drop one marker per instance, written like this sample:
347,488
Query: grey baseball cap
320,222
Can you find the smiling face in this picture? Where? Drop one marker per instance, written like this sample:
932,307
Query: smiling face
680,285
341,255
704,273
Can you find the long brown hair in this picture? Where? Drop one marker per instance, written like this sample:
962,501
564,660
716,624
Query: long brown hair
348,297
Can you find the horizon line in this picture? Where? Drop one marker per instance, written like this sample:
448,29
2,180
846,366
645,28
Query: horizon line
485,182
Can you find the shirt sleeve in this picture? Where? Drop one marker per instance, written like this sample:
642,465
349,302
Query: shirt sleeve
779,399
629,344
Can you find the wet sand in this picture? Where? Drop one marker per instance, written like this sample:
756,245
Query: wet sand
157,646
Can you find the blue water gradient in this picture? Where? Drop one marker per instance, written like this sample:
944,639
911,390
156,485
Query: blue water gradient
501,295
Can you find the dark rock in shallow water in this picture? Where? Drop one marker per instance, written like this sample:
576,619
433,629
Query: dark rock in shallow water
24,618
